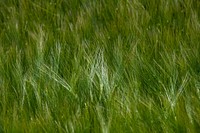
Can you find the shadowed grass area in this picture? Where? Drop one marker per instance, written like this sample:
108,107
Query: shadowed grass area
100,66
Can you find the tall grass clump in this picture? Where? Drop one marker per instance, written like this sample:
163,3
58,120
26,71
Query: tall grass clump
100,66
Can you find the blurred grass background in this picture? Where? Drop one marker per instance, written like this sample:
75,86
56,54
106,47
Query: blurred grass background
100,66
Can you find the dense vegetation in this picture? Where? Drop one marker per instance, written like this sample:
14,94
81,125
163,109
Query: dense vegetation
100,66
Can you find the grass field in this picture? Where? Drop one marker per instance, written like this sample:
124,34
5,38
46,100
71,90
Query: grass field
110,66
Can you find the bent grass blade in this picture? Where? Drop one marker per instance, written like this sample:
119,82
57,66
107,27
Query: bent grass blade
53,75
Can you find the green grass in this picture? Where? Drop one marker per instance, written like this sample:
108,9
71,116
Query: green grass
100,66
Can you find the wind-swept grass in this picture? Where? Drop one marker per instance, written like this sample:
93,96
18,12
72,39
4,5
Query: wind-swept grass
100,66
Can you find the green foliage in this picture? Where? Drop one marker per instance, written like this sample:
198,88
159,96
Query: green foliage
100,66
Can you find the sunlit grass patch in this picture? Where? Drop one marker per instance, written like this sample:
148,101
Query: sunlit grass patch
99,66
